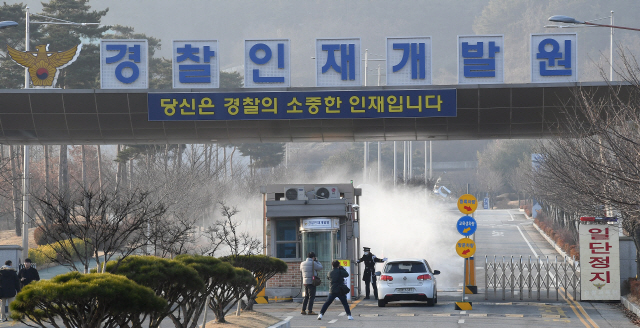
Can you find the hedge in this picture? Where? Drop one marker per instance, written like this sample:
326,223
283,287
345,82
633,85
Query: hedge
51,234
43,254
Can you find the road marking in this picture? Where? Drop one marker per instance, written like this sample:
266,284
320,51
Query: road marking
333,321
355,304
525,239
571,302
461,321
514,315
544,315
342,313
369,315
441,314
477,314
463,312
577,305
405,315
288,318
510,215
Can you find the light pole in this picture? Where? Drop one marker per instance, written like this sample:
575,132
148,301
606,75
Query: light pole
25,182
571,20
57,21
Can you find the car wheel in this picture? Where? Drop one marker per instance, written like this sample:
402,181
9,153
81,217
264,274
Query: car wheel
381,303
435,297
431,301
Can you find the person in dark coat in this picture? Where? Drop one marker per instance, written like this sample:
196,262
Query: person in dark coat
369,275
27,274
337,276
9,287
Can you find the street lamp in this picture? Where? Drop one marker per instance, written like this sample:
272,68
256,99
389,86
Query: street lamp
5,24
571,20
25,182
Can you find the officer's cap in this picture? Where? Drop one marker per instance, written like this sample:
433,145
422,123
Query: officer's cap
366,249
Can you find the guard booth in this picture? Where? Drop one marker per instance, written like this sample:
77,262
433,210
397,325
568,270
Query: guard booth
319,218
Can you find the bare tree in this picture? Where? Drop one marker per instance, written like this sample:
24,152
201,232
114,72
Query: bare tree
172,235
596,168
108,224
225,233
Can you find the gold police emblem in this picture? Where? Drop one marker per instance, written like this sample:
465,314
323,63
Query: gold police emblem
43,65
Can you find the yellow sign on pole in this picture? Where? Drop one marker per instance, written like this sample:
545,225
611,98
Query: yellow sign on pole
345,263
466,247
467,204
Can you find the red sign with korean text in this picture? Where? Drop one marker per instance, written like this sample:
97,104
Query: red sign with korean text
599,262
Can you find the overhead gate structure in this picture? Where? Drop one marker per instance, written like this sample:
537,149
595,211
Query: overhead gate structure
533,276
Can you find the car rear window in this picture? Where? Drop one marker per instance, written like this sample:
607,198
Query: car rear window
405,267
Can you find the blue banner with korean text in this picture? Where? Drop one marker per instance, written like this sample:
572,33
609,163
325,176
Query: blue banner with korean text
292,105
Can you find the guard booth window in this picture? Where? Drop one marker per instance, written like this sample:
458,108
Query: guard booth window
287,239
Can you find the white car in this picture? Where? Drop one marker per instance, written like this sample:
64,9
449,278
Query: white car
407,280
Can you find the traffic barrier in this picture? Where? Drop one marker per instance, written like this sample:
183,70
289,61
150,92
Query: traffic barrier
533,275
262,298
463,306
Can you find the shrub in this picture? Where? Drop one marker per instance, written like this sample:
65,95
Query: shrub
44,235
635,287
170,279
47,253
83,300
262,267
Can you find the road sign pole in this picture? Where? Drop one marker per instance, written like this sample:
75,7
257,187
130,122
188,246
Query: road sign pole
464,280
466,247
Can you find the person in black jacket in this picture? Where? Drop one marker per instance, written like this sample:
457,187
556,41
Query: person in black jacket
337,276
9,287
369,275
27,274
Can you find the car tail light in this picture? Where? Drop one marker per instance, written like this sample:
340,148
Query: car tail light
386,278
424,277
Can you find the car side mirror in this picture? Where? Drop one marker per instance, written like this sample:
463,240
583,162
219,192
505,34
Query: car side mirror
436,272
378,273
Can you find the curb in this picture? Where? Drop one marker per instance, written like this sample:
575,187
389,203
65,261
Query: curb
281,324
629,305
552,243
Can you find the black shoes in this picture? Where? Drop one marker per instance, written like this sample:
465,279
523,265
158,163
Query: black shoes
367,297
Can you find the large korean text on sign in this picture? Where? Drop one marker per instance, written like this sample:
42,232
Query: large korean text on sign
124,64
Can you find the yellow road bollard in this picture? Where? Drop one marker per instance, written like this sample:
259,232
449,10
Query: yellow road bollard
470,283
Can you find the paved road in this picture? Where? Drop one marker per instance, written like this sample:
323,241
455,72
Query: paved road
500,233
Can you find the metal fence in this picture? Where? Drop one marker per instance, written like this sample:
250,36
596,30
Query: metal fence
531,276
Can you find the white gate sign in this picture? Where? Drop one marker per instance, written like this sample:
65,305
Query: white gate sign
195,64
599,262
554,57
124,64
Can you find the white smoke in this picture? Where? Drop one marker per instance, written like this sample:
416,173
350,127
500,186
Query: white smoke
405,223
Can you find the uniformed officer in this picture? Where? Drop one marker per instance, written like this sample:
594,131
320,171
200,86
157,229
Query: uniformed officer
369,275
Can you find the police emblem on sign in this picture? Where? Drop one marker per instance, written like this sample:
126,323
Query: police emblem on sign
44,65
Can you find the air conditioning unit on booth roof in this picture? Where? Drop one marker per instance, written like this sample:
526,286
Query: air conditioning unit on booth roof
294,193
327,193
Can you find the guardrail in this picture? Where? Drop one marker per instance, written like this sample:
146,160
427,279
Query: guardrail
532,275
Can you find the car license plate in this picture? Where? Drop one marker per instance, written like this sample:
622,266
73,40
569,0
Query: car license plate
405,290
